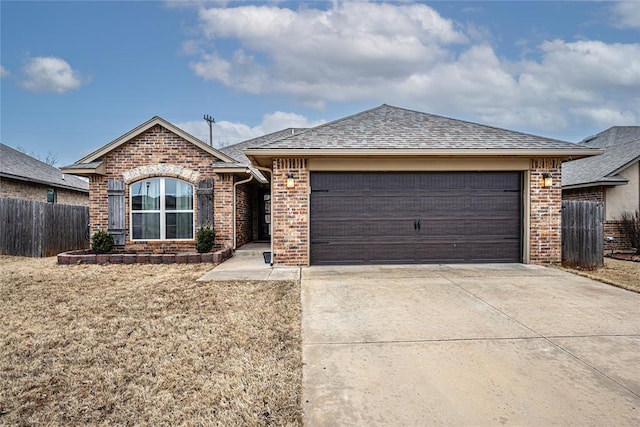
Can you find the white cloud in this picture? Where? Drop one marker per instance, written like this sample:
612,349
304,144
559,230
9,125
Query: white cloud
409,55
50,74
627,14
3,71
228,133
310,49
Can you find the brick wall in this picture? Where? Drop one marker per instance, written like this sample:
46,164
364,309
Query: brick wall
245,195
620,242
545,213
290,212
159,152
223,209
17,189
588,194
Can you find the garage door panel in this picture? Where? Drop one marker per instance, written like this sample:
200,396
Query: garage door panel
371,217
470,228
360,231
441,181
338,205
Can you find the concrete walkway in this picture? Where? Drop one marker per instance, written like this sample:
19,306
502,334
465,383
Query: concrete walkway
467,346
248,263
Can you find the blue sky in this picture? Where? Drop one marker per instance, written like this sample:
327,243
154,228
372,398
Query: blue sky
76,75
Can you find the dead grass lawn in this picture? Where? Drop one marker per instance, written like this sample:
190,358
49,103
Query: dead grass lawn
624,274
145,344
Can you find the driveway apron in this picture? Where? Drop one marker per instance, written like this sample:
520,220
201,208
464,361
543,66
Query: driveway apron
474,345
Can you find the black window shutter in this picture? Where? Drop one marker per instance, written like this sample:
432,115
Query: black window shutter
115,198
205,202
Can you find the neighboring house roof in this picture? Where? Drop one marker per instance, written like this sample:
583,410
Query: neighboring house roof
621,146
91,163
237,150
393,128
613,136
17,165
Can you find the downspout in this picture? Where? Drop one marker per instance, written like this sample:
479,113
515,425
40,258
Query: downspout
235,186
270,171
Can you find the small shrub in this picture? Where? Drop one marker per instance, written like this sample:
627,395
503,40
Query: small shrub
205,239
629,227
101,242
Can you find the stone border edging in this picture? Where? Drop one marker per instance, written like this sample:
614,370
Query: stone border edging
625,257
87,257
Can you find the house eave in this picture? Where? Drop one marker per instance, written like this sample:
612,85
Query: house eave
240,170
263,157
41,182
594,184
78,169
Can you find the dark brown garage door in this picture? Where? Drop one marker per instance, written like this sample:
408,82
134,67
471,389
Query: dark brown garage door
449,217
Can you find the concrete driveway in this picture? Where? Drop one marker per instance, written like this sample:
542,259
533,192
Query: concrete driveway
467,345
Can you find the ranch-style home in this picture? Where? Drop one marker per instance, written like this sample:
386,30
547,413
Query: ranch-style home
25,177
387,185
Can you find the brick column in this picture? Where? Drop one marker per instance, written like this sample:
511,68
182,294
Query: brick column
545,232
290,212
223,209
98,217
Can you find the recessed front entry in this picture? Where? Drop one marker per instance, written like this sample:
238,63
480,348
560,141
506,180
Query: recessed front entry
417,217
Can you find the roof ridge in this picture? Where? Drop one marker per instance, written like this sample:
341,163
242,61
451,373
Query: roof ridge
478,124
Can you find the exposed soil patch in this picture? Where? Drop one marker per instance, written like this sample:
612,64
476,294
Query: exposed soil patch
145,344
624,274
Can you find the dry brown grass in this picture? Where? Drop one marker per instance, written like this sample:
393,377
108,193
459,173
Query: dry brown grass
145,344
624,274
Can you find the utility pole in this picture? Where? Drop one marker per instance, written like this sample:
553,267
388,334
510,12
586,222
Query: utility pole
211,121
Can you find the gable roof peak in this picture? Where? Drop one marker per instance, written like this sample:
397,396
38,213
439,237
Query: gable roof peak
155,120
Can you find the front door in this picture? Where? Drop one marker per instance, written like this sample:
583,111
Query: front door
264,214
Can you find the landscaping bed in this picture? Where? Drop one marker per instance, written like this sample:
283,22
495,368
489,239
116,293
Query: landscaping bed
625,257
88,257
145,344
624,274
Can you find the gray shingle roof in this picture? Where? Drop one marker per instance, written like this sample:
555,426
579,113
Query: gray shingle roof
602,169
613,136
388,127
236,151
17,165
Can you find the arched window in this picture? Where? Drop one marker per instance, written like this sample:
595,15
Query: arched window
161,209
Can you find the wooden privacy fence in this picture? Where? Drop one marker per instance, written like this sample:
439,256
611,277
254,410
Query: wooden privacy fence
38,229
582,234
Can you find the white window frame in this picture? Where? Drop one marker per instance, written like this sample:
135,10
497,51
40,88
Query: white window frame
163,211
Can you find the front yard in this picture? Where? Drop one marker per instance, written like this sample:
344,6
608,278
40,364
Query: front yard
145,344
624,274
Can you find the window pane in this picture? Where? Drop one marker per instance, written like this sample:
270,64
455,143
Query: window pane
179,226
178,195
145,195
170,194
146,226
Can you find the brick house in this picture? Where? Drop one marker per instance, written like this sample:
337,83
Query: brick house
24,177
612,178
387,185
